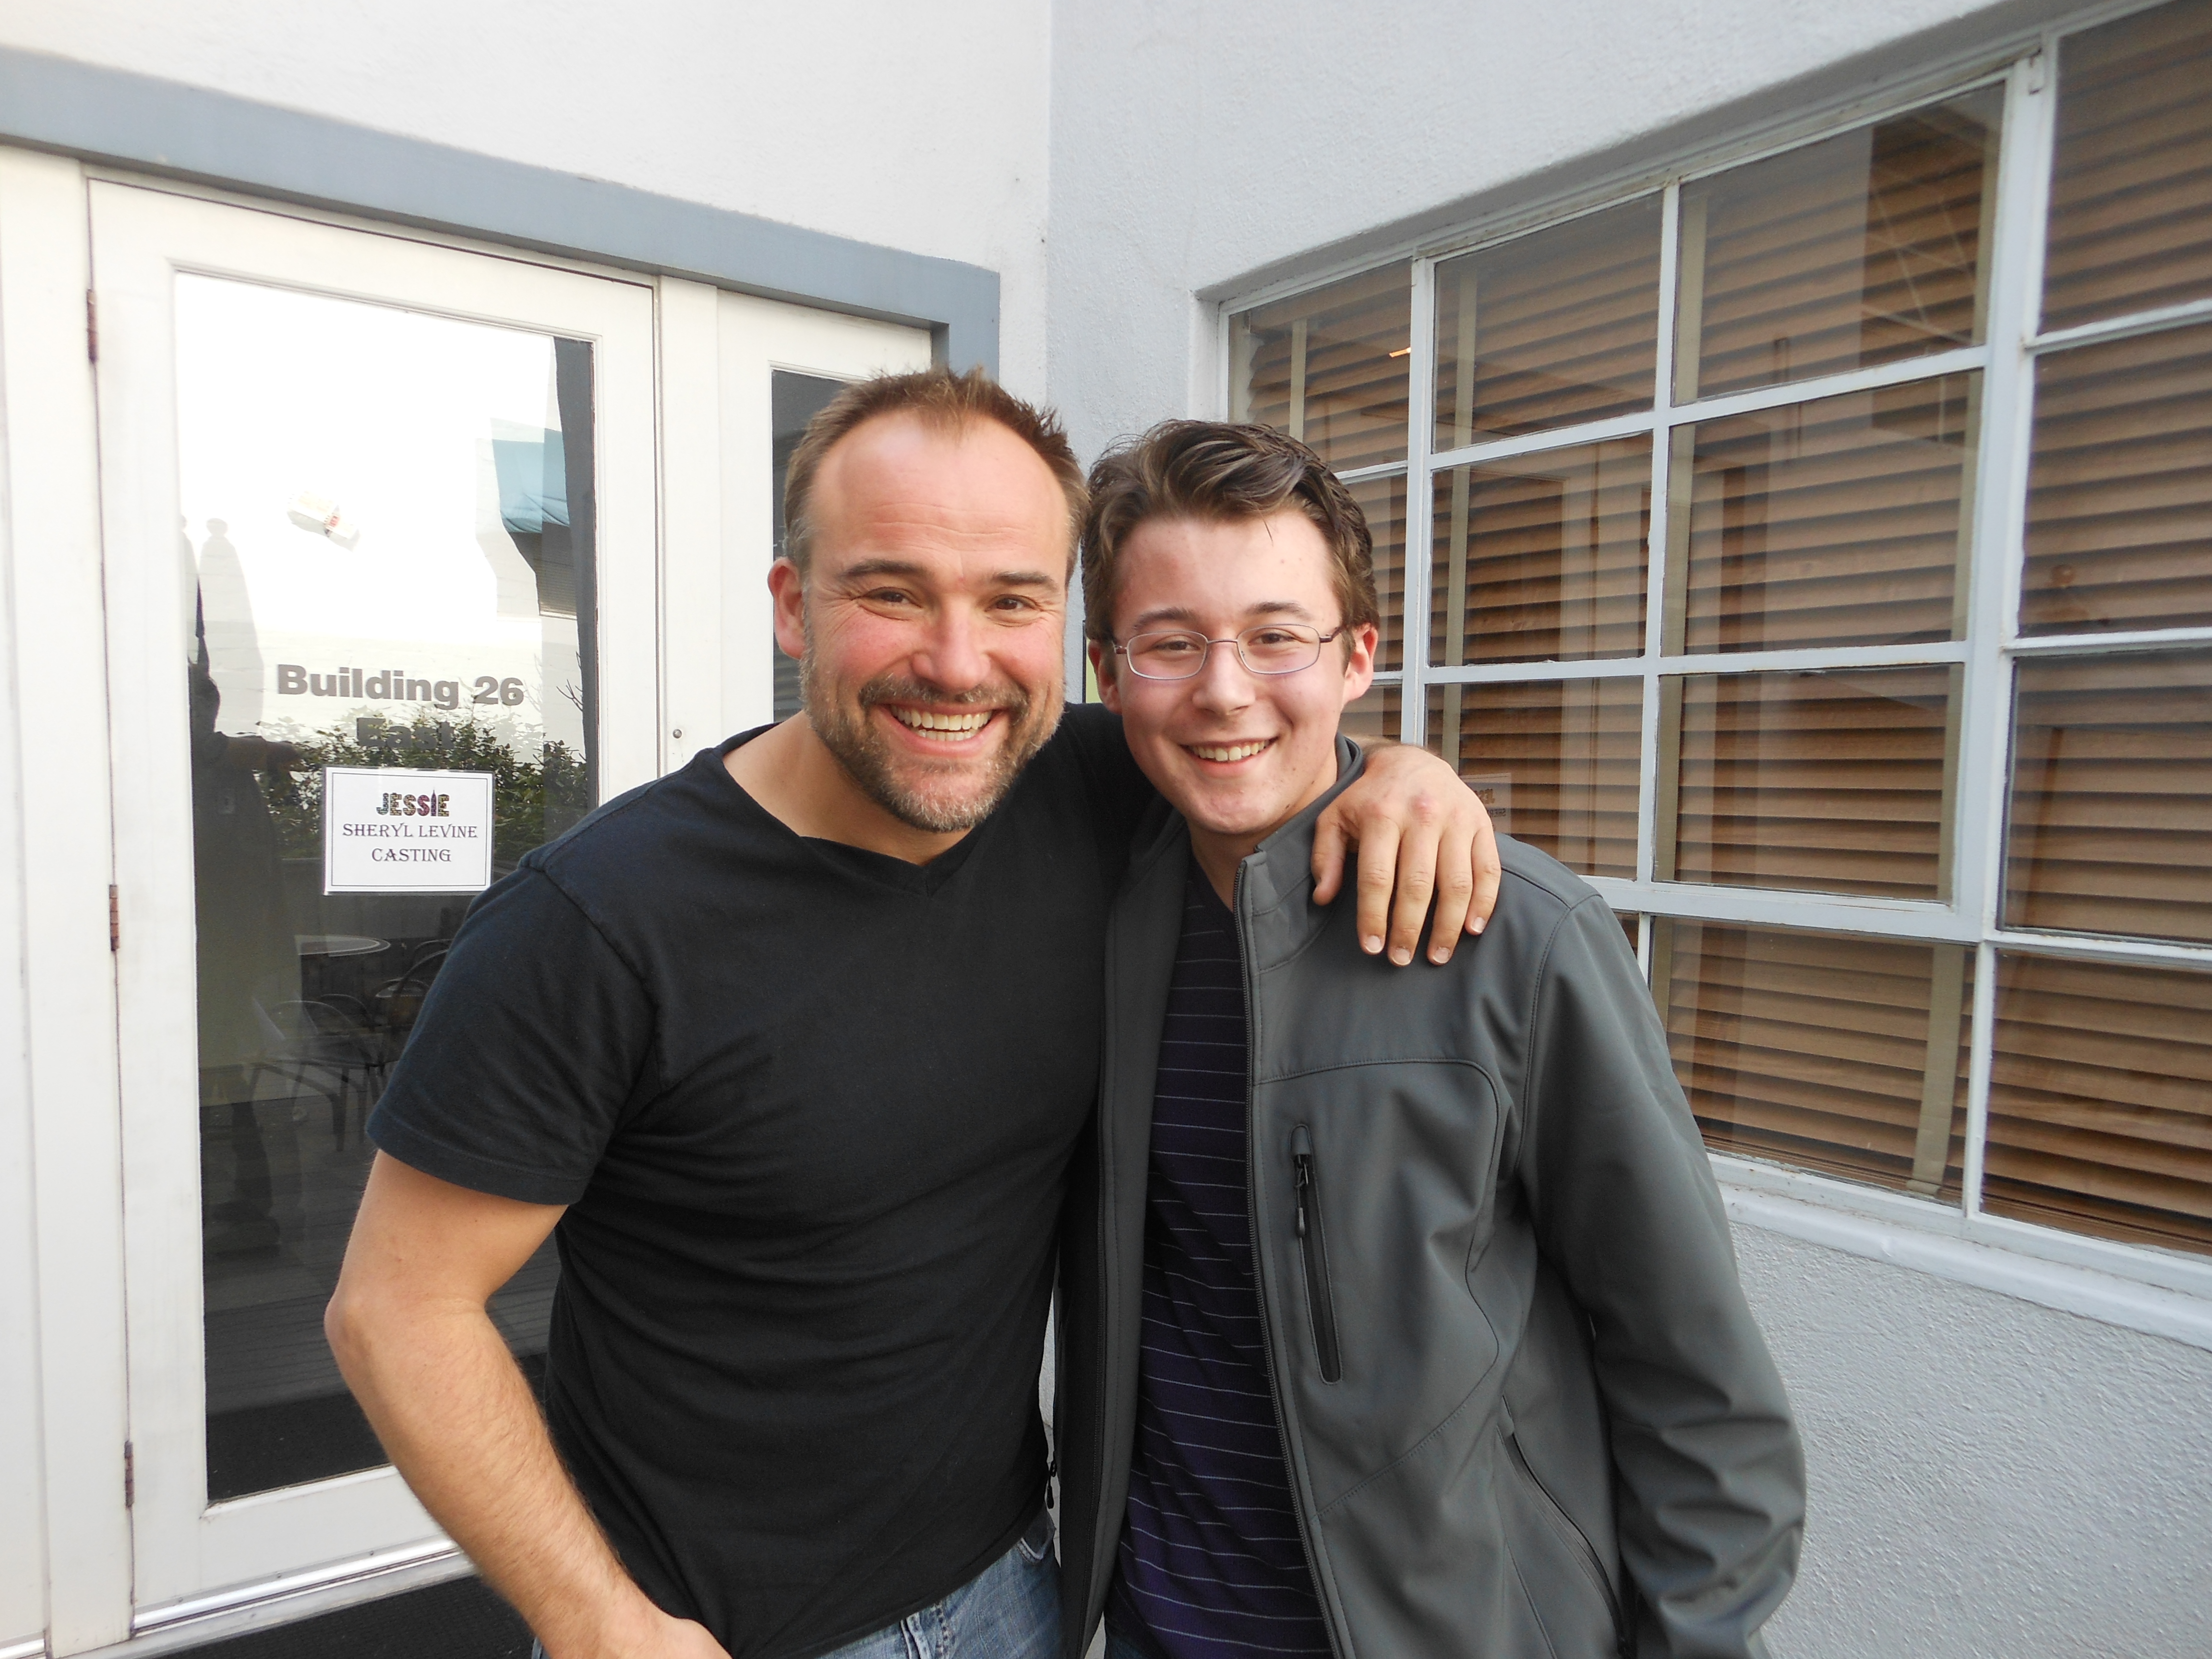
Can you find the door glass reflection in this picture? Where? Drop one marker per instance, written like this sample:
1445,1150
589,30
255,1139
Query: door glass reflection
389,520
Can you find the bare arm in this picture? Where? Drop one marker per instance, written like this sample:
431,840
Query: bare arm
1422,834
412,1334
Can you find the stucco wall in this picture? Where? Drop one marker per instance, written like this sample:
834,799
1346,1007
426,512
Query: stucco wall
919,128
1989,1477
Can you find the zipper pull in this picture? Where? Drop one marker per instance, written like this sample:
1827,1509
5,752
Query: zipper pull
1302,1170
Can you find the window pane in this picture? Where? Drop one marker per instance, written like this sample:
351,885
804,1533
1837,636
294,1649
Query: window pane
1542,557
1550,329
1383,501
1330,367
1835,782
2100,1101
1373,719
1862,249
395,565
1839,1053
1555,761
2119,496
1837,522
794,400
2111,796
2132,182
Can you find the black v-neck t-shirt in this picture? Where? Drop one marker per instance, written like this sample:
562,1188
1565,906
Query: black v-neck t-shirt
811,1108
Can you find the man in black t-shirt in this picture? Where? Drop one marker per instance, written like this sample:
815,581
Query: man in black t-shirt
794,1046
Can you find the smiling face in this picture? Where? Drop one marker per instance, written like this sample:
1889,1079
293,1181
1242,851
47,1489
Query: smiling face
929,621
1239,753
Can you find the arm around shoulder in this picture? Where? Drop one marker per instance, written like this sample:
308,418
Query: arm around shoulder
1712,1498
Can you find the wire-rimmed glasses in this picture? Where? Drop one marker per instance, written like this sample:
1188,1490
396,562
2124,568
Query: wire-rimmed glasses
1265,649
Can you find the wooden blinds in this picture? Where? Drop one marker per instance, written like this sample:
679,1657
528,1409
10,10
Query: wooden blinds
1542,557
1837,522
1837,781
1330,367
1550,329
2131,181
2111,830
2119,502
1865,248
1835,1053
2100,1100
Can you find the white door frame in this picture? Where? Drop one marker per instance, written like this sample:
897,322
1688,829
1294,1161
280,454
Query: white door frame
142,238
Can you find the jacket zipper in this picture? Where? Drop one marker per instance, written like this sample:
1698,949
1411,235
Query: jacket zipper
1259,1281
1321,1305
1622,1638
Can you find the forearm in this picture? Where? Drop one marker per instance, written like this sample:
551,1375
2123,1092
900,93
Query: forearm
458,1418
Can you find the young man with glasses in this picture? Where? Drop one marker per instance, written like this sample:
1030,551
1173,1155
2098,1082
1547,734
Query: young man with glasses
1402,1323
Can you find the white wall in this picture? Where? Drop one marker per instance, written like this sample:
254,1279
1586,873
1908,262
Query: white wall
1988,1477
919,128
1989,1480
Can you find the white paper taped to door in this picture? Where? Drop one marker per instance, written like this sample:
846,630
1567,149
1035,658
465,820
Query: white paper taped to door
386,829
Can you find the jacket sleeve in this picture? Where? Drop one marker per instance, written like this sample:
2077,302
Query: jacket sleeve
1712,1494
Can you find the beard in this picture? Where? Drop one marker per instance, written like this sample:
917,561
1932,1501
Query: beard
940,797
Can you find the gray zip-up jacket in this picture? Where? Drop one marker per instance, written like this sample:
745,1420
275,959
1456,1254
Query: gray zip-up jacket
1526,1410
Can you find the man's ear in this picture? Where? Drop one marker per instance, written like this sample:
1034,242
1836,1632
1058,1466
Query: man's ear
1102,670
787,588
1360,661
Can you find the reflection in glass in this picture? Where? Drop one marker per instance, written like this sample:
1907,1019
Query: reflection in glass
1330,367
1556,762
1553,328
2132,180
796,399
1861,249
1833,782
1542,557
391,520
2119,488
1828,1051
2100,1100
2111,829
1837,522
1383,502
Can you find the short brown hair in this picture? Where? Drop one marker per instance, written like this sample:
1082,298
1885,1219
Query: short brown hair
938,398
1218,471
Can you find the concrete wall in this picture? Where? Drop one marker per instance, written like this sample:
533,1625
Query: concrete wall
1989,1477
919,128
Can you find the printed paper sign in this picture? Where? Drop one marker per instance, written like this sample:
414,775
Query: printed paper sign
390,830
1495,791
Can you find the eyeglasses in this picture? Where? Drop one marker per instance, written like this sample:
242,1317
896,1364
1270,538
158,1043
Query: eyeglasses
1268,648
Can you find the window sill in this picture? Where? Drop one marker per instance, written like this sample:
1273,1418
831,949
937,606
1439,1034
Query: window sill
2155,1291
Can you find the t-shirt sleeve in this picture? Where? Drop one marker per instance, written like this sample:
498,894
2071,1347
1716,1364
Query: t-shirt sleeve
1120,792
532,1041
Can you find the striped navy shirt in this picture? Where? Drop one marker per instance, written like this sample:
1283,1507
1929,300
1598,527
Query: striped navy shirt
1210,1565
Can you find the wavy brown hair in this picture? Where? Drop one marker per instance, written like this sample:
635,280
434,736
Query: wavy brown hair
1217,471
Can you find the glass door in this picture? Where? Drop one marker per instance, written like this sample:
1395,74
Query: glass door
382,574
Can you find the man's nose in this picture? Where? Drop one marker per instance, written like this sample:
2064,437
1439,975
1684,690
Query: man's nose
952,654
1224,684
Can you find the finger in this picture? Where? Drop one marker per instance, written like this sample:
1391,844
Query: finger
1489,872
1328,857
1454,884
1378,864
1417,877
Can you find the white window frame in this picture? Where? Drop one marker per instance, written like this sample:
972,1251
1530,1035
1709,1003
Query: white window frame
2141,1287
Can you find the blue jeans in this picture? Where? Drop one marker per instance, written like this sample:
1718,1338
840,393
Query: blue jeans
1010,1610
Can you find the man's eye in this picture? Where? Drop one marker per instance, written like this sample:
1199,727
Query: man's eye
888,596
1266,638
1014,603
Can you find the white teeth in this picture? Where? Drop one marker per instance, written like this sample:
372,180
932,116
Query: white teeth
1235,752
960,726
